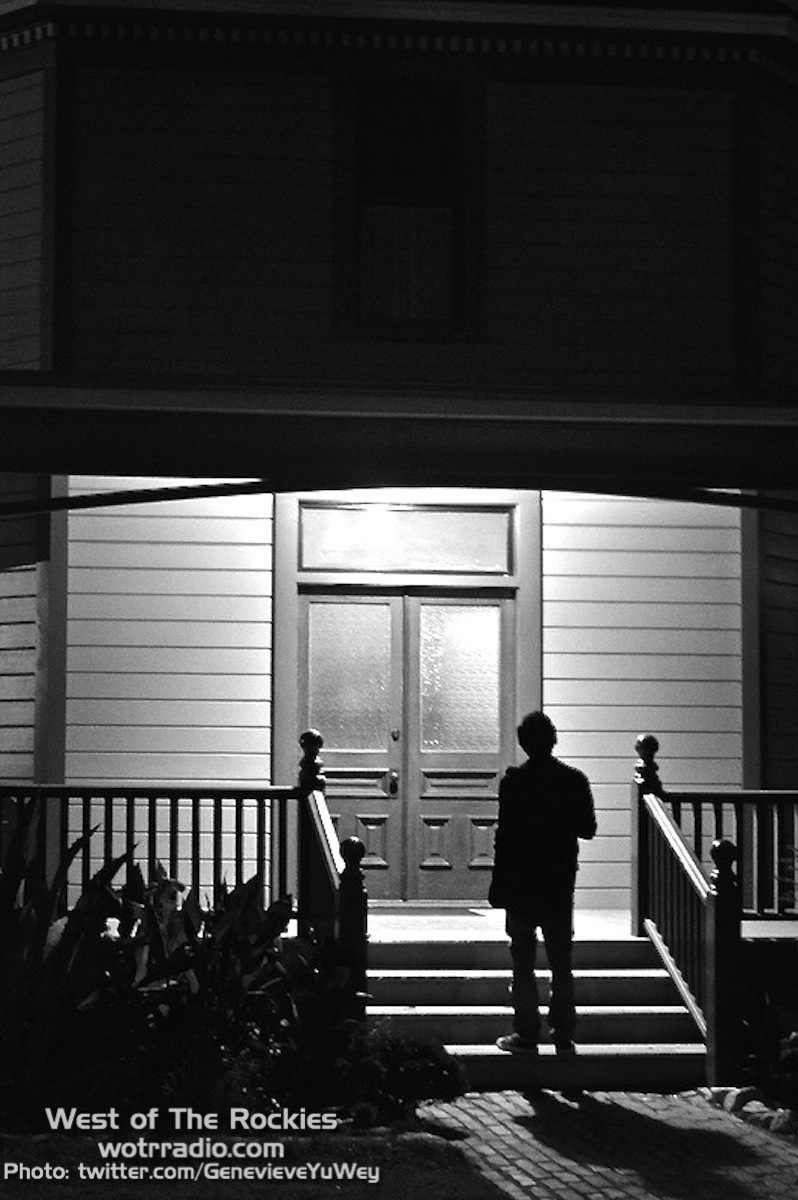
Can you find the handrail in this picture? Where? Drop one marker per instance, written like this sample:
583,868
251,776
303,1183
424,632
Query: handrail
683,988
683,853
136,791
325,835
732,796
692,920
332,899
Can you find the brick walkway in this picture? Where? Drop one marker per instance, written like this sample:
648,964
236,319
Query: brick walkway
620,1146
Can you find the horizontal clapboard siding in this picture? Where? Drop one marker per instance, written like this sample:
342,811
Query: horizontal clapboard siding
609,234
779,607
21,220
641,633
779,245
19,657
169,639
203,204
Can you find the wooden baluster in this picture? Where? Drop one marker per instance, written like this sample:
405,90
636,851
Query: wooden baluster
353,922
698,830
646,780
722,964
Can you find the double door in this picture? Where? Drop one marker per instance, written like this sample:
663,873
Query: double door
414,695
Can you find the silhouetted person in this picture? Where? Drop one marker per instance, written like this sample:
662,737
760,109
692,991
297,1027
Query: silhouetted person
544,807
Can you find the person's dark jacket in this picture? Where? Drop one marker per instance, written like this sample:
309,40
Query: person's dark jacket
544,807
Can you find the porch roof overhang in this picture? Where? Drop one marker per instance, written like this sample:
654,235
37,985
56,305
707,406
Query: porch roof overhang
297,437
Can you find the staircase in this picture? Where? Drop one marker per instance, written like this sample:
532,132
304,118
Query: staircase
633,1031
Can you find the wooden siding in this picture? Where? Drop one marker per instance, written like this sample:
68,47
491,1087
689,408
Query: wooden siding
19,658
609,235
21,220
203,205
169,644
778,225
642,629
169,639
23,549
779,611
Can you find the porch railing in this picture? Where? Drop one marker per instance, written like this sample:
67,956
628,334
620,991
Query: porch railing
205,836
209,837
688,898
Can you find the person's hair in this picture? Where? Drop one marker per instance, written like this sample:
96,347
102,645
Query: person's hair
536,732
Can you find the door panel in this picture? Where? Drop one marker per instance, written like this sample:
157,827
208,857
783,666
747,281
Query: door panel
458,671
351,691
414,697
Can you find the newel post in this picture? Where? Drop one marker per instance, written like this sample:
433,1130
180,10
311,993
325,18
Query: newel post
646,781
311,913
311,778
723,963
353,922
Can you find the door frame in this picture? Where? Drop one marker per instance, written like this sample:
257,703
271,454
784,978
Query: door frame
525,582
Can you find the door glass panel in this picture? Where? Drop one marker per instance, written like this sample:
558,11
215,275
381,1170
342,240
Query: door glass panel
460,677
349,664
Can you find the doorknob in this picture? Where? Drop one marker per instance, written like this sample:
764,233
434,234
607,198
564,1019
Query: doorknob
393,782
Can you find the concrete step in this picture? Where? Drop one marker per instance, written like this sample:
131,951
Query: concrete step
458,985
633,1031
655,1067
443,953
482,1024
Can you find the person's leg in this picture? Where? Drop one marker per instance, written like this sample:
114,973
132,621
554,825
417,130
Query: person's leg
523,936
558,936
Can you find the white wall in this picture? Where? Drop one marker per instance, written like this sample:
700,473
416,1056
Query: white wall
642,624
19,663
169,647
169,640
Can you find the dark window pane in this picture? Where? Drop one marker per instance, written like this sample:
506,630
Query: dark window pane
407,264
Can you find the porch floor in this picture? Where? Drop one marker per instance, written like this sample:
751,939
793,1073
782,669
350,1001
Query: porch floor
395,923
401,923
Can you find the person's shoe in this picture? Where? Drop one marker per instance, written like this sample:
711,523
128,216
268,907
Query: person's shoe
513,1043
565,1050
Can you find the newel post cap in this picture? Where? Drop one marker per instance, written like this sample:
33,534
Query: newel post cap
311,742
724,856
647,747
352,852
646,769
311,778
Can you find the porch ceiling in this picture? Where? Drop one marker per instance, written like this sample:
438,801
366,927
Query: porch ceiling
353,437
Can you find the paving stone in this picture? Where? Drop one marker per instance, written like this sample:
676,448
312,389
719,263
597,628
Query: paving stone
622,1146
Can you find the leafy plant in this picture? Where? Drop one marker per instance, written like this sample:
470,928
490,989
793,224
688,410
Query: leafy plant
51,967
138,995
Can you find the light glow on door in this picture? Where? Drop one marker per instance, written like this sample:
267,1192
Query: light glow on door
460,656
349,673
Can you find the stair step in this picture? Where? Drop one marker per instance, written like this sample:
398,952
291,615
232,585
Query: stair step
605,1067
450,953
633,1031
484,1023
457,985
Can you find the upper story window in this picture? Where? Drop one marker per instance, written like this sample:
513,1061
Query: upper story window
409,185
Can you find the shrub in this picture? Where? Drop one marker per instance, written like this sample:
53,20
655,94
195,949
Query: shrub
139,996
